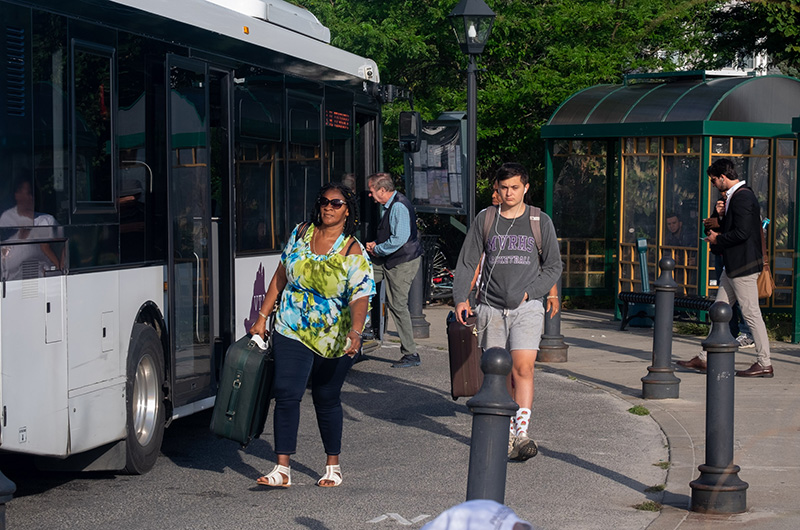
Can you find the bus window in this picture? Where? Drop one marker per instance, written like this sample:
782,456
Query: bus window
135,169
50,115
30,251
258,100
339,138
305,163
92,74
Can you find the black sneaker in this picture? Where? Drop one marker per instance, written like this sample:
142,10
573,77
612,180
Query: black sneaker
407,361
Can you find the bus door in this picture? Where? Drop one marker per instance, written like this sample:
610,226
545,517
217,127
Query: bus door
190,265
368,154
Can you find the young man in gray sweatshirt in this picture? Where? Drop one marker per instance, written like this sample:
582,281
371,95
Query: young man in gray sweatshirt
514,283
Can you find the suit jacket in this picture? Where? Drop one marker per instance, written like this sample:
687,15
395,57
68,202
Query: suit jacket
739,241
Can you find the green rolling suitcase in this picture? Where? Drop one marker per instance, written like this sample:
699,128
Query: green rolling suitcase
245,388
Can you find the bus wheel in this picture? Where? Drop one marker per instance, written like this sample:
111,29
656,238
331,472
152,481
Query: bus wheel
144,400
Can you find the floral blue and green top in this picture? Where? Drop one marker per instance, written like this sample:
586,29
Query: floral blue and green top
314,306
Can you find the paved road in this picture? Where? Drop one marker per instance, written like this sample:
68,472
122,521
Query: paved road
406,451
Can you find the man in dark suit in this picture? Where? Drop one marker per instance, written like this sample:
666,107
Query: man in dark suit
738,239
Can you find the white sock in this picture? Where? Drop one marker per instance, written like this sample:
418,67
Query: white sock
522,420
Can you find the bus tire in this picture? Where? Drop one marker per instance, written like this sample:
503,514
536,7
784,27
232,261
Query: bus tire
144,397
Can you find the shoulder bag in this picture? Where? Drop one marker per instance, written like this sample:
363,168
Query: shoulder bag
765,283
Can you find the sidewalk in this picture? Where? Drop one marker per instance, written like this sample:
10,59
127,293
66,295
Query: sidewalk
406,447
767,416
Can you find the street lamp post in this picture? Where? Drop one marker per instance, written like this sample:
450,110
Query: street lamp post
472,22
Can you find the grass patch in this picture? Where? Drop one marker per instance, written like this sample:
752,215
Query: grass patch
691,328
648,506
639,410
779,327
655,489
662,465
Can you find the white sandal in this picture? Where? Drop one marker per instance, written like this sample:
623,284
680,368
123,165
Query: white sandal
332,474
275,477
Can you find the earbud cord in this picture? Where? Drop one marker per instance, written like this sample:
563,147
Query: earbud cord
499,251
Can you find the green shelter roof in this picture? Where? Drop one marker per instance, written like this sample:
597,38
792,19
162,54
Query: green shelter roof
686,104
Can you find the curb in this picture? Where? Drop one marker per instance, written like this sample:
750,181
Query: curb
681,449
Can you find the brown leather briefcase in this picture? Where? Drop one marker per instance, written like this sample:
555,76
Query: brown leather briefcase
466,376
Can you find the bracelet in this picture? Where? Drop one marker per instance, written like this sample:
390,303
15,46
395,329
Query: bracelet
263,315
360,335
552,296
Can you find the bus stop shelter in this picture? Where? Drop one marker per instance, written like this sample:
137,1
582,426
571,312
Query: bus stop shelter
627,162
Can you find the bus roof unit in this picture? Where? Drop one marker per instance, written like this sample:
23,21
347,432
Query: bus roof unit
281,14
270,24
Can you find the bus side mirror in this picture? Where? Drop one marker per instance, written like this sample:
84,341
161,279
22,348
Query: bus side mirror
410,127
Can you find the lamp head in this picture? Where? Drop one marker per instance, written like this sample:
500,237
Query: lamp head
472,22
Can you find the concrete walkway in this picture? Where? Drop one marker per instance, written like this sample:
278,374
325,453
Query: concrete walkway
767,418
406,447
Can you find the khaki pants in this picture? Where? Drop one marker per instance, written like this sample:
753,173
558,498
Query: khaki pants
398,283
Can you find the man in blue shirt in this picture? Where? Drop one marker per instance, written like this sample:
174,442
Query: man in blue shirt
396,258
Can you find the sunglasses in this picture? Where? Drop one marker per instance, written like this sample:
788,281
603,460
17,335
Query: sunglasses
335,203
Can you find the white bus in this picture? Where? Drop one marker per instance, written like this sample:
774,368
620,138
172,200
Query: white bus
154,157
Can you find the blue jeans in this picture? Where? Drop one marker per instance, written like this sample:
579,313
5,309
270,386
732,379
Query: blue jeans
294,364
738,324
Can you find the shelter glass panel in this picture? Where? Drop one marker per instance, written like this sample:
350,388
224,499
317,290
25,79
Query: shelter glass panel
680,201
639,205
784,222
752,160
579,211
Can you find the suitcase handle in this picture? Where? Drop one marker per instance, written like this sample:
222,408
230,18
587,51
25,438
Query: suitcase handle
234,399
258,342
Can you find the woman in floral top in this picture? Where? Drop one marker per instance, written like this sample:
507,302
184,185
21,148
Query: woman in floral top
324,282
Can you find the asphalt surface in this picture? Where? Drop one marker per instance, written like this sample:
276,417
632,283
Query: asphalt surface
406,451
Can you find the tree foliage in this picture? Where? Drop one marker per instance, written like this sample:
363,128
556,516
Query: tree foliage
743,29
542,51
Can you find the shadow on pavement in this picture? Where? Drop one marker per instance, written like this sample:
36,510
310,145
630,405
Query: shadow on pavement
406,404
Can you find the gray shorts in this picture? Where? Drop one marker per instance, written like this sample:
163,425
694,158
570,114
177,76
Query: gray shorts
512,329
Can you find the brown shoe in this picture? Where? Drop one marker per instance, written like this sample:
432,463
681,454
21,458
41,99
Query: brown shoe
695,363
756,371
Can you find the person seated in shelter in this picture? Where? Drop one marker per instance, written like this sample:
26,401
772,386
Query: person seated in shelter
23,223
677,235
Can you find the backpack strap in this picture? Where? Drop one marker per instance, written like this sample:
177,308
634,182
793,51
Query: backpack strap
535,214
491,212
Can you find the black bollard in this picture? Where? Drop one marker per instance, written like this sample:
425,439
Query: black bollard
719,489
552,348
491,409
661,382
421,327
7,489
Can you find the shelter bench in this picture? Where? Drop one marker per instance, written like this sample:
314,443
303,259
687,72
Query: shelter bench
696,304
